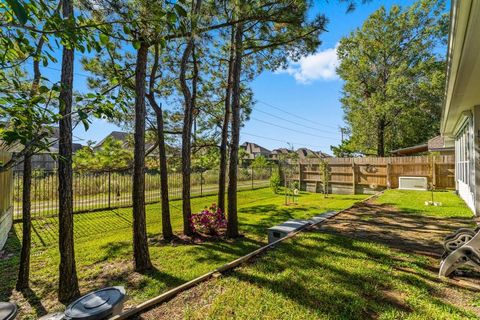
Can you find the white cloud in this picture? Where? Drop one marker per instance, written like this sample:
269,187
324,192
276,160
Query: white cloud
318,66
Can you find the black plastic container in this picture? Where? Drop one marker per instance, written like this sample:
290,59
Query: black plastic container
8,311
97,305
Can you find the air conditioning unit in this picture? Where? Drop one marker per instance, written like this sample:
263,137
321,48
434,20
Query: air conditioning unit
413,183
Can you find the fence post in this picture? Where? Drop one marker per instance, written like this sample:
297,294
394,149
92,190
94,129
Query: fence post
252,177
109,189
201,183
325,180
300,176
434,173
389,168
354,178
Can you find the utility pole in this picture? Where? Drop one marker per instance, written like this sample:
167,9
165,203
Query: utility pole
342,132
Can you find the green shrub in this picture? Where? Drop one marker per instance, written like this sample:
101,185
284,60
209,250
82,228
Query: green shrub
275,182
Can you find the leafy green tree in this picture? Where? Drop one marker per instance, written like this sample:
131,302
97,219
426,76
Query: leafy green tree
30,31
205,159
281,32
275,181
260,162
111,156
344,150
394,77
144,24
189,92
26,104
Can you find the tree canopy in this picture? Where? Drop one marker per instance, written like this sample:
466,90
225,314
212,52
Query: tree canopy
393,67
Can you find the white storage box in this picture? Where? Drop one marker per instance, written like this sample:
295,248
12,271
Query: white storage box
413,183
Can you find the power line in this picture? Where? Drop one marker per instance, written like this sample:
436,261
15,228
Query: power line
293,130
296,115
60,70
279,140
75,73
294,122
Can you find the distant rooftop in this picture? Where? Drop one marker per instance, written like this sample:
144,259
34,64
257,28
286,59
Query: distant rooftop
117,135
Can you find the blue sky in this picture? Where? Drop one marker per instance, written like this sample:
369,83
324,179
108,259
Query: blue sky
299,106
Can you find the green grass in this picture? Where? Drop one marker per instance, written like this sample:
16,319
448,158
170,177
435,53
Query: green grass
328,276
414,202
325,276
103,247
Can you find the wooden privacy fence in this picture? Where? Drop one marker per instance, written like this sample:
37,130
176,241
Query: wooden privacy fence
367,175
6,203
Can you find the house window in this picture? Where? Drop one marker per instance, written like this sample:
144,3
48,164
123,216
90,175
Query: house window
464,154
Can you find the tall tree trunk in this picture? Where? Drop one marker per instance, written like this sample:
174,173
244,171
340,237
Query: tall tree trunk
140,241
166,223
186,141
232,226
190,97
68,282
381,138
222,174
24,268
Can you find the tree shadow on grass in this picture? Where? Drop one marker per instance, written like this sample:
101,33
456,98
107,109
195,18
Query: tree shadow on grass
215,253
45,230
9,272
34,301
169,280
115,249
361,277
208,253
410,233
9,264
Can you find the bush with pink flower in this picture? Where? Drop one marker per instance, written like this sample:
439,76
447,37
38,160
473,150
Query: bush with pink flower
209,221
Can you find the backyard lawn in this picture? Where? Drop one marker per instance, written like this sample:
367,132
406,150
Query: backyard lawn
377,260
103,248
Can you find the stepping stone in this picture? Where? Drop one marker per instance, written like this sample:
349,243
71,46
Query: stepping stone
281,231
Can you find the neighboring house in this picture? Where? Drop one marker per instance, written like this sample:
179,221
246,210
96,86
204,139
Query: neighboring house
46,159
436,144
253,150
302,153
305,153
126,138
460,124
323,154
278,153
117,135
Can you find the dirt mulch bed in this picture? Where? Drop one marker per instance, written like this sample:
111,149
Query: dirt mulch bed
400,230
369,221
